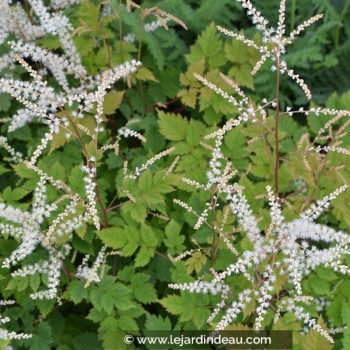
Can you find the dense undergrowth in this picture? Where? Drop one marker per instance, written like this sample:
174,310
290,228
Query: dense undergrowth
140,156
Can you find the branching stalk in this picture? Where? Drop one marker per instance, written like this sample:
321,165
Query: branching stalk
277,115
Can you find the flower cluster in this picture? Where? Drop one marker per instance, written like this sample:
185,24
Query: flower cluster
15,156
26,227
148,28
5,334
285,250
41,101
90,188
139,170
90,274
16,21
63,109
280,257
274,40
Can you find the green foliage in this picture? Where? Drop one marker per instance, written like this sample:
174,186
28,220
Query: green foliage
189,307
207,55
143,229
314,340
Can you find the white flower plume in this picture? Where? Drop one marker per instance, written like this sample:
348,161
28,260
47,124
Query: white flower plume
288,249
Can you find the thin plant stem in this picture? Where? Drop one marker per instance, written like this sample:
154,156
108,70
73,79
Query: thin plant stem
121,42
139,59
112,201
103,208
104,211
107,49
66,271
277,115
116,206
292,15
215,243
27,9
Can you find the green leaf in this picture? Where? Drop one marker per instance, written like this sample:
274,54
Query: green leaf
57,171
196,262
179,273
43,338
157,323
87,341
111,294
50,42
155,49
326,273
316,341
137,211
75,180
24,172
143,290
242,75
96,316
234,141
3,170
145,180
147,250
172,126
319,285
346,339
345,312
112,101
113,237
188,78
144,256
196,131
5,102
208,46
344,288
188,97
153,187
127,323
59,140
189,307
22,284
121,293
174,241
18,283
334,311
76,292
34,282
200,317
58,323
117,237
5,343
148,236
114,339
84,45
45,306
135,311
236,51
177,305
14,195
130,248
317,122
145,74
